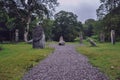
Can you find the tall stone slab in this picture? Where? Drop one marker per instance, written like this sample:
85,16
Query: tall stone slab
38,37
102,37
81,37
61,41
113,37
16,35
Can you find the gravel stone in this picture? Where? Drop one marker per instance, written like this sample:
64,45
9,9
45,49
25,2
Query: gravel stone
65,64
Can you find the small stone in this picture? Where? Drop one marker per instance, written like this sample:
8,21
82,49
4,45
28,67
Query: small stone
112,67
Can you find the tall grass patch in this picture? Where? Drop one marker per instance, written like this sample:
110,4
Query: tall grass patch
16,59
106,57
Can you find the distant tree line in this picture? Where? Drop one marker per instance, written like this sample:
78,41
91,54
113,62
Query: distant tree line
23,15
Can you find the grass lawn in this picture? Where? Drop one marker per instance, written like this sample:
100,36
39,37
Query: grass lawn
106,57
16,59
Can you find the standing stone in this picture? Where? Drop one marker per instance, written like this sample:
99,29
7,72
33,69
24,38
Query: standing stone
92,42
102,37
113,37
38,37
16,35
61,41
81,38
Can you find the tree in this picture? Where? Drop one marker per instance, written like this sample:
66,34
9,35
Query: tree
26,9
66,25
8,22
48,26
112,22
111,19
106,7
89,27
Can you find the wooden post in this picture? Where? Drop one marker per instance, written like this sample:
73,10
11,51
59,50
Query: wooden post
113,37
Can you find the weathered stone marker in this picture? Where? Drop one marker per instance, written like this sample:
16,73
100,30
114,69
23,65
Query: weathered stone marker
38,37
102,37
16,35
81,37
113,37
61,41
92,42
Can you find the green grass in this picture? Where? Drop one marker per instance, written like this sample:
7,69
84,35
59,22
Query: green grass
16,59
106,57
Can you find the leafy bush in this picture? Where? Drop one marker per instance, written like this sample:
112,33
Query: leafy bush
95,37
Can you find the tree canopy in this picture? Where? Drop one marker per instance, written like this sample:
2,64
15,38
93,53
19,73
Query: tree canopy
66,25
109,16
25,12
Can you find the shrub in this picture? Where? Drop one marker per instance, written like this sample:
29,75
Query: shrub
95,37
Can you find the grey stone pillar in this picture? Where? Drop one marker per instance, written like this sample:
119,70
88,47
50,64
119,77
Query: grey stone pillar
102,37
61,41
38,37
81,37
113,37
16,35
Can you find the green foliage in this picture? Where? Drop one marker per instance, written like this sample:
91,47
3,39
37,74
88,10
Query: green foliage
22,13
66,24
111,22
89,27
48,26
95,37
106,57
106,7
10,22
16,59
109,14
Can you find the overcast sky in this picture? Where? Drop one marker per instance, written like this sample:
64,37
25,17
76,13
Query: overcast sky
84,9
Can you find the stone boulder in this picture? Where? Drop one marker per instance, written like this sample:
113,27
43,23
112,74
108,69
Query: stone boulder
38,37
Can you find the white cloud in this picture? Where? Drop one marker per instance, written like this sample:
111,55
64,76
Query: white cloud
84,9
69,2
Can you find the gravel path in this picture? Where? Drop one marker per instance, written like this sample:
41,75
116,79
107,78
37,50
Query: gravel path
64,64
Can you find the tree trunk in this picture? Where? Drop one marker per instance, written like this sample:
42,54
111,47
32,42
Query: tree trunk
27,29
25,36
